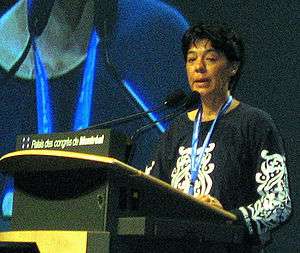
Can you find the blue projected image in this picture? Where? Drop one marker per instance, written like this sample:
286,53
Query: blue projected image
44,112
6,6
150,55
145,48
83,112
145,29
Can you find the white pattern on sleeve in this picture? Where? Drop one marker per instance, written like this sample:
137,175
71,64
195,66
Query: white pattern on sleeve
274,205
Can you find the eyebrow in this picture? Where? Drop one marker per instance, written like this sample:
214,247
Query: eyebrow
205,51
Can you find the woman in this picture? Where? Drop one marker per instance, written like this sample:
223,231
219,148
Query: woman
226,152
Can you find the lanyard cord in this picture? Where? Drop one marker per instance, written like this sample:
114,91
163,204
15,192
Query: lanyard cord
196,160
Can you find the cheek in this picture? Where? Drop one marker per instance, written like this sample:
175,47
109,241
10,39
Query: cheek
188,73
222,74
187,70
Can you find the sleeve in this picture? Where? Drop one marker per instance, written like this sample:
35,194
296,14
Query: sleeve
273,204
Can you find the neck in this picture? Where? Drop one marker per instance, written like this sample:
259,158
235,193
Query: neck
68,31
68,14
211,108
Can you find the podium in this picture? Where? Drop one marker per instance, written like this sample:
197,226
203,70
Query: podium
131,211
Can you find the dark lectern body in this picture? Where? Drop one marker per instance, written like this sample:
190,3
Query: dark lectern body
57,190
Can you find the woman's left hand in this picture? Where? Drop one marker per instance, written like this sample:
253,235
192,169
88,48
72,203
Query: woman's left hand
210,200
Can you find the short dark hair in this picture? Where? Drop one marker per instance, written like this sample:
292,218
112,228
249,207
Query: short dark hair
222,39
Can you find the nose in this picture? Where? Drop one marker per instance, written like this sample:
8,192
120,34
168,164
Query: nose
200,66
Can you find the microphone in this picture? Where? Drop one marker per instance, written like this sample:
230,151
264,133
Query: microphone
172,100
175,98
191,103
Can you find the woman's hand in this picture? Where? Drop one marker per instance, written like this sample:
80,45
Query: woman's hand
210,200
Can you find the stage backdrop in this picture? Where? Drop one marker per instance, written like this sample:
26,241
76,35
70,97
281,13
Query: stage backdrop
143,42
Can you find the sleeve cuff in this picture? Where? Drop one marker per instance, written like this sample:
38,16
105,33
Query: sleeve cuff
243,219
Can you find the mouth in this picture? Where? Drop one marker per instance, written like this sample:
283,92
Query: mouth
201,82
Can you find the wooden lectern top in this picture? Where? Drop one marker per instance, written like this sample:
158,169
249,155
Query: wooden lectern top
21,162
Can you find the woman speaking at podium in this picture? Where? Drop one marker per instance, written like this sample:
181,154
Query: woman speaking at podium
226,153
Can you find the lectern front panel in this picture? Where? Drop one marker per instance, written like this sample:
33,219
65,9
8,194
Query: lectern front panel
65,202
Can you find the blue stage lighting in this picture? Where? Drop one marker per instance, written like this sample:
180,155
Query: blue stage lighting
8,195
44,111
142,102
83,111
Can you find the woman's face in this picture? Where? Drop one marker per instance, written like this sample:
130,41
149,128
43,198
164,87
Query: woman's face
208,70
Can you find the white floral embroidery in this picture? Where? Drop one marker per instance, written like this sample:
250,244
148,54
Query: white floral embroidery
149,168
180,177
274,206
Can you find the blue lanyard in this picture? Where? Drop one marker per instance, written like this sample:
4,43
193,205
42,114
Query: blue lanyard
196,160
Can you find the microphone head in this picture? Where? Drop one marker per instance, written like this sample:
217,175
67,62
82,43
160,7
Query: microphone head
176,98
192,101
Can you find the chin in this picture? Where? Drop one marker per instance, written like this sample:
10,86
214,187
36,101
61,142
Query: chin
203,91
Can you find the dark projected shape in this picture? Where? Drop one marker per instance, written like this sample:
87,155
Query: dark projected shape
63,45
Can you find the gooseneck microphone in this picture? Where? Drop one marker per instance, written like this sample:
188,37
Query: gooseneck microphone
190,103
174,99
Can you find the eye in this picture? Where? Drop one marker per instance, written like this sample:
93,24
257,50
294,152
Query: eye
191,59
211,58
